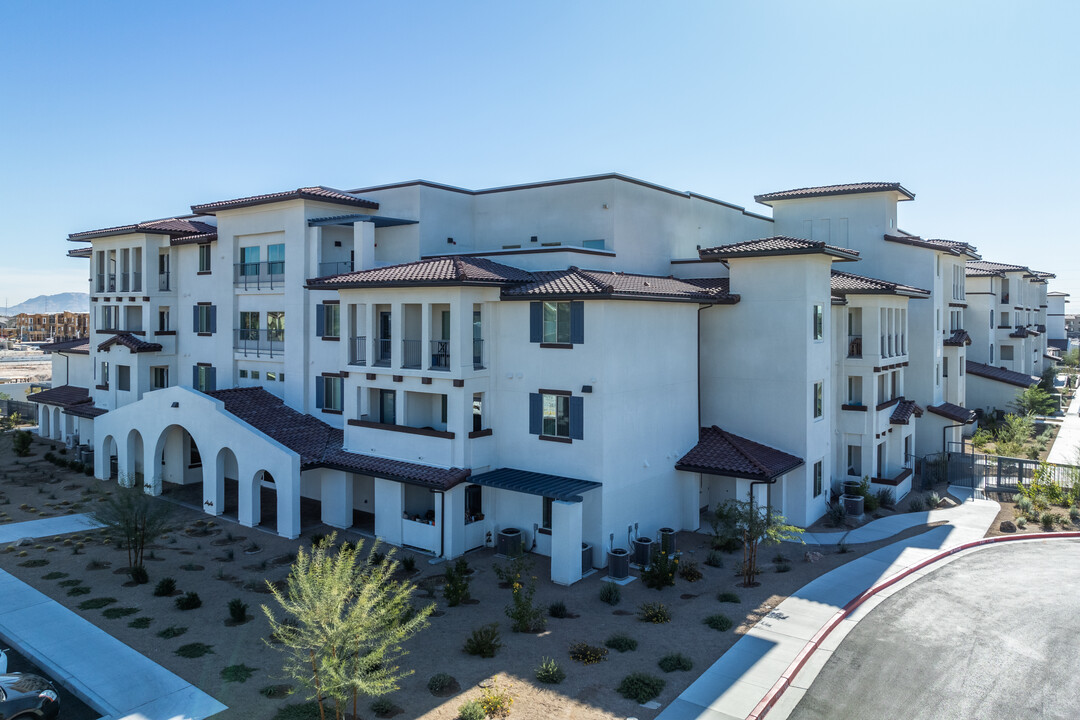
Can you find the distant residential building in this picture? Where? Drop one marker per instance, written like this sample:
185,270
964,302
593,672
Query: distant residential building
49,327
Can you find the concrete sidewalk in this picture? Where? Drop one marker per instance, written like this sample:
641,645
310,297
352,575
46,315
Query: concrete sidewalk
1067,442
47,527
102,671
734,684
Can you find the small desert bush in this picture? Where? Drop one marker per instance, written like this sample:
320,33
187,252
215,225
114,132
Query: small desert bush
558,609
471,711
496,701
915,504
886,497
714,559
655,613
933,500
640,687
690,572
114,613
238,610
587,654
484,641
718,622
194,650
140,623
188,601
549,672
456,587
172,631
675,661
96,603
165,587
440,682
621,643
728,597
237,673
382,706
610,593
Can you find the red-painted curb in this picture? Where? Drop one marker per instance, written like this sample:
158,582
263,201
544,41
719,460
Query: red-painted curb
767,702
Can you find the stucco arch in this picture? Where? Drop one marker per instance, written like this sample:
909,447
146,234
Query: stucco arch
177,458
44,421
106,455
220,491
57,425
133,463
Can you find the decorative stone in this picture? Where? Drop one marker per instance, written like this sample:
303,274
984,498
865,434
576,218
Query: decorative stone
812,556
486,683
1007,526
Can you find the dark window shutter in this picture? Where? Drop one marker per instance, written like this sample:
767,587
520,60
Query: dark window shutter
319,389
536,322
195,375
577,322
577,417
211,379
194,318
213,318
536,413
320,320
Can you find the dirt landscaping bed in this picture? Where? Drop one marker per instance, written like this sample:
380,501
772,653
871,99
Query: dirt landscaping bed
205,555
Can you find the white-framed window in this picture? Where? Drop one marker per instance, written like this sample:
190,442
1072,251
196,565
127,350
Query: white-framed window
556,416
204,378
819,399
1006,352
556,322
819,477
159,377
328,320
205,319
204,258
854,460
328,395
163,319
818,321
123,377
104,375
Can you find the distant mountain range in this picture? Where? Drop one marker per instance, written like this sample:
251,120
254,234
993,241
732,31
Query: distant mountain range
73,301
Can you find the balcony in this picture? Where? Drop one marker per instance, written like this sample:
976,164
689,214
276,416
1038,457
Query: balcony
854,346
440,354
136,282
259,343
410,354
163,281
125,282
335,268
382,352
99,286
259,275
358,350
110,282
478,354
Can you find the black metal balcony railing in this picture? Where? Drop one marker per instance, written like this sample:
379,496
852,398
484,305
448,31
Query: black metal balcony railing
478,354
259,343
358,350
335,268
99,285
136,282
854,347
410,354
163,281
259,275
1004,298
110,285
125,282
382,352
440,354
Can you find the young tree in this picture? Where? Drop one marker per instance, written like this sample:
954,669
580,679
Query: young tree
756,526
1034,401
344,623
138,518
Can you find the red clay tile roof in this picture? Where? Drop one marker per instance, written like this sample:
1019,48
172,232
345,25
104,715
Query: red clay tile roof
827,190
958,338
1020,332
575,282
970,271
953,247
953,412
995,267
844,283
78,345
194,239
963,247
132,343
320,445
1001,374
82,252
776,245
64,396
903,412
452,270
719,452
721,285
85,410
316,192
168,226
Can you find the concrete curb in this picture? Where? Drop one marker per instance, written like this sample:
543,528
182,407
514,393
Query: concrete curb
781,685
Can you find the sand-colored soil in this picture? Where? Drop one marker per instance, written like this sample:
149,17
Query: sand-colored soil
197,557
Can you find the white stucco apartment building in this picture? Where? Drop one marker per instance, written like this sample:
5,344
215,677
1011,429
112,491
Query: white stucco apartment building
582,360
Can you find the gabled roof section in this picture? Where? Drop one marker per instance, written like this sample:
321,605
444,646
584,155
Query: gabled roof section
953,247
958,338
314,192
200,239
587,284
954,412
79,346
829,190
81,252
85,410
719,452
995,267
174,227
132,343
845,283
1000,374
64,396
904,410
776,245
451,270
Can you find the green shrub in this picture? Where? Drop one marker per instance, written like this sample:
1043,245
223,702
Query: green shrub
139,575
1021,522
440,683
116,613
21,442
621,643
484,641
237,673
558,609
660,573
610,593
140,623
728,597
915,504
55,575
188,601
837,514
690,572
870,503
456,587
172,631
655,613
640,687
408,563
587,654
96,603
675,661
382,706
719,622
70,583
35,563
526,615
783,567
1024,505
1074,514
933,500
549,672
238,610
1047,521
165,587
714,559
194,650
472,710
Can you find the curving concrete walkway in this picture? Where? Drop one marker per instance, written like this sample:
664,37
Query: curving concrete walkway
738,681
1067,443
102,671
46,527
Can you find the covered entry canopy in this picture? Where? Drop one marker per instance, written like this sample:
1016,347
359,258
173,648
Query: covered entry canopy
533,483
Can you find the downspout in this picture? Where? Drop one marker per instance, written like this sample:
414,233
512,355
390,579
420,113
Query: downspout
442,520
944,440
768,494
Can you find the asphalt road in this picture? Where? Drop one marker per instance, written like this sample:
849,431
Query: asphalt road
71,707
994,635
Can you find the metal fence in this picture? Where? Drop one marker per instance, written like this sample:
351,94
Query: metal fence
990,473
28,411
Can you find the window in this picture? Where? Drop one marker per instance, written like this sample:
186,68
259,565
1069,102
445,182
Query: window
243,374
205,319
328,321
1004,319
104,376
478,412
819,399
163,319
442,413
557,323
204,258
937,373
907,450
881,460
1006,352
249,261
556,414
545,519
474,503
281,377
275,256
254,374
819,322
194,457
159,378
271,375
249,325
328,393
991,354
110,317
387,407
123,377
854,390
962,363
204,378
819,478
945,367
854,460
592,244
275,326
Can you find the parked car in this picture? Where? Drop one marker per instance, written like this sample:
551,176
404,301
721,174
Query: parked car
27,697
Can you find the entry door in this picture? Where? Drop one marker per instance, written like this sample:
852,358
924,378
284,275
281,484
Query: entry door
387,411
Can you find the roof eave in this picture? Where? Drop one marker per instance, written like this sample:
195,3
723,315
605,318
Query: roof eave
735,474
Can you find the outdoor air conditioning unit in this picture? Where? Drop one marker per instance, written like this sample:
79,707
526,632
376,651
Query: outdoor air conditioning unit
509,542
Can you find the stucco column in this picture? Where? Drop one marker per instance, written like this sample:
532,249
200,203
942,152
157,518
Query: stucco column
250,490
214,486
388,501
288,505
425,336
453,521
690,494
151,469
565,542
363,245
397,349
337,498
43,420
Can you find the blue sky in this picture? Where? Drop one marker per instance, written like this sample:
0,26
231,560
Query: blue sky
124,111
